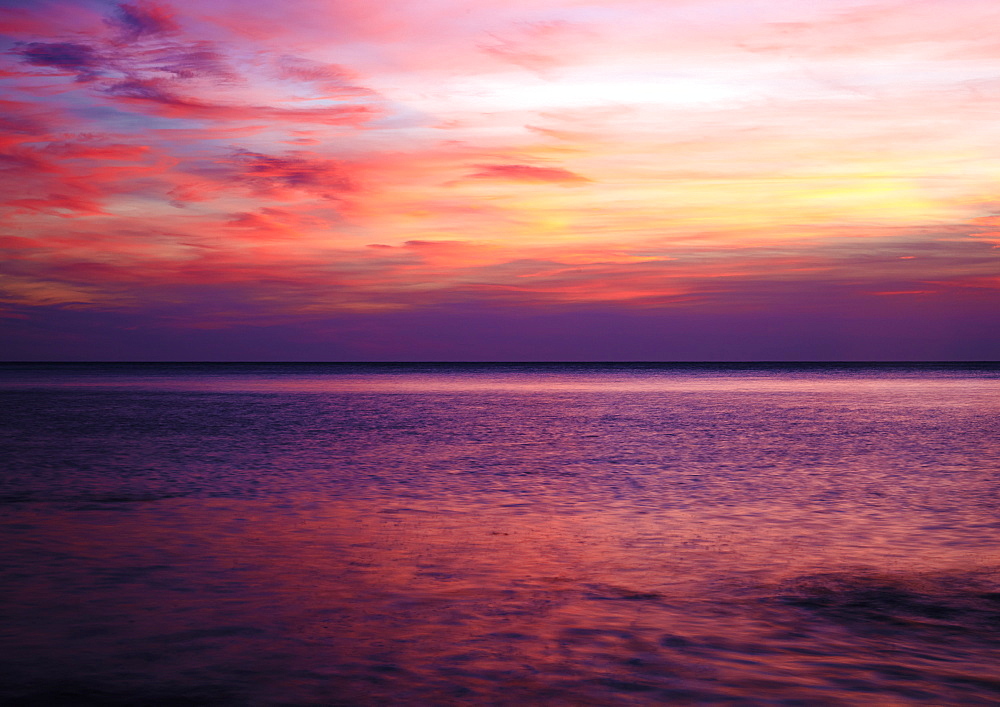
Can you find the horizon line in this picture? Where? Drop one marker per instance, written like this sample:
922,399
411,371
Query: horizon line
518,362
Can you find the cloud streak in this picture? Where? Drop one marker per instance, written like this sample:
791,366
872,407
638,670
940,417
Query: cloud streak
526,173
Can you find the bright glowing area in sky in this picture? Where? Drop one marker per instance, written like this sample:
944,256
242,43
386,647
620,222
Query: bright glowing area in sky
358,174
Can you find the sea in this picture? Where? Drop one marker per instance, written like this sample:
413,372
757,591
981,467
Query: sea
499,534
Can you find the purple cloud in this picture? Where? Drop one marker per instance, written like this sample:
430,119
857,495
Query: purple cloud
67,56
142,19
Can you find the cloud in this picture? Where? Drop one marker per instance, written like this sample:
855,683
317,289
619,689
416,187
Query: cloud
21,122
73,175
65,205
78,58
526,173
160,96
274,175
329,80
188,61
536,46
15,290
269,222
128,65
142,19
147,67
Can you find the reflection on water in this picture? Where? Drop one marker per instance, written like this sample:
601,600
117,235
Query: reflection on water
575,536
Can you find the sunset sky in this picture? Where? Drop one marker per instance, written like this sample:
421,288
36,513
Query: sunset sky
487,180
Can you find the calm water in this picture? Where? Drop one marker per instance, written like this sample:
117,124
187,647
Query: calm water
499,535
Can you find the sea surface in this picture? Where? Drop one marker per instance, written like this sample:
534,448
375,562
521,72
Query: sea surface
499,534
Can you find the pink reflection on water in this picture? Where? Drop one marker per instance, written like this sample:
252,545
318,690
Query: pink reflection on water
374,602
985,389
498,538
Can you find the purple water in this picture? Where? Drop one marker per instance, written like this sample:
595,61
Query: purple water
500,534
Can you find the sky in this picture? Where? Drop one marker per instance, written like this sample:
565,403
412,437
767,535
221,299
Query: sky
478,180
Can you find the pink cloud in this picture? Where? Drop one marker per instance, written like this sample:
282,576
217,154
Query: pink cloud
526,173
140,19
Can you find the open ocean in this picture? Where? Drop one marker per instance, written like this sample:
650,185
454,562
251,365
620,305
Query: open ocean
499,534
